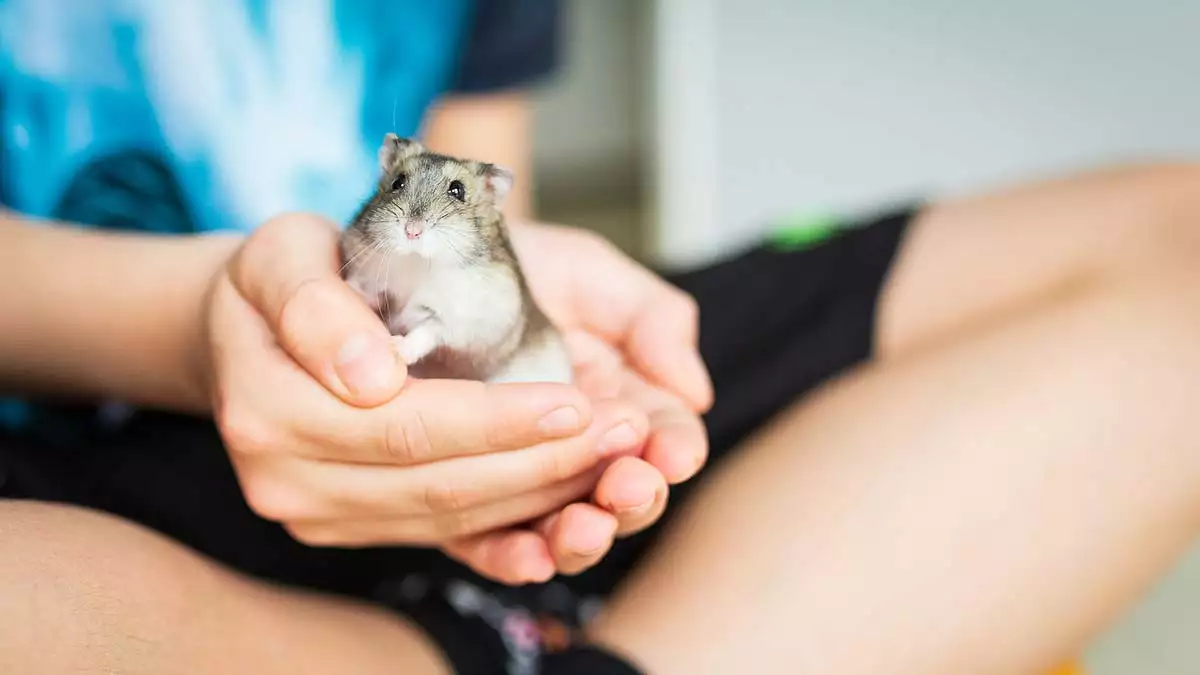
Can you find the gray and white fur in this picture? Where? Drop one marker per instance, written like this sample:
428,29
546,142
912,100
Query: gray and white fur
431,253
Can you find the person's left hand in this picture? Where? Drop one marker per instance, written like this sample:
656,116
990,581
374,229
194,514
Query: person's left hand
632,337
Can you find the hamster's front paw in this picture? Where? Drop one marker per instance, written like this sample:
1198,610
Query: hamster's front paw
417,344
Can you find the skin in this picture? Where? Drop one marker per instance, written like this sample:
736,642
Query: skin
992,533
660,332
1101,355
664,388
272,309
72,345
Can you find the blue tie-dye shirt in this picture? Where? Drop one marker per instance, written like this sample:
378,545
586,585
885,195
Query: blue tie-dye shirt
200,115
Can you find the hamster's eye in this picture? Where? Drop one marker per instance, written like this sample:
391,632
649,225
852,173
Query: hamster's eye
457,190
400,182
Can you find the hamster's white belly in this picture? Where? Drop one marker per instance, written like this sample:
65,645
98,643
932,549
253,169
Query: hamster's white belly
477,316
478,308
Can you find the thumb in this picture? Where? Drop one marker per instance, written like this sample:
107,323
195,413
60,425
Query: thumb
289,272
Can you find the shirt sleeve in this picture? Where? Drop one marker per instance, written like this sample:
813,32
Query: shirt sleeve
509,44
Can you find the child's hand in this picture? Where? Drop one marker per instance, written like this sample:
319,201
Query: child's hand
632,493
634,339
307,393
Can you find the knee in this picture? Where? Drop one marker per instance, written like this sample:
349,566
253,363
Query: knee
76,545
1164,203
91,587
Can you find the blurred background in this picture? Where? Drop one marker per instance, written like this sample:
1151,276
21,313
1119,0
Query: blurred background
762,110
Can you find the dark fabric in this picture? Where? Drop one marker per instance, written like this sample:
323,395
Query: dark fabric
587,661
511,43
774,325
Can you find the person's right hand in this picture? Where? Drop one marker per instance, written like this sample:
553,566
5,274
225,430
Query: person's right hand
328,439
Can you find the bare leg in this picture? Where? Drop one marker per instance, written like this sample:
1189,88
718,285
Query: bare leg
977,259
983,508
87,593
1017,468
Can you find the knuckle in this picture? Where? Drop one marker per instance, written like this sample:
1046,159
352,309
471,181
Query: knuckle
406,438
245,432
558,465
278,231
273,500
442,499
271,236
273,230
454,525
302,308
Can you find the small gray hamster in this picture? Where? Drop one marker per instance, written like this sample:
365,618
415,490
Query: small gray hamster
431,252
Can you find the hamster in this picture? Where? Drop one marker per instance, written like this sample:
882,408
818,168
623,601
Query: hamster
431,253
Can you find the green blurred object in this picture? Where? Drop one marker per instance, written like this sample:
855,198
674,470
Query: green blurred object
799,232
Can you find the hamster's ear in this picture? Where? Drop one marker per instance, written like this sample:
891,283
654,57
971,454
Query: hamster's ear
395,149
499,182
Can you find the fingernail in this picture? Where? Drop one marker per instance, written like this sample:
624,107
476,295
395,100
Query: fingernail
366,363
621,437
561,421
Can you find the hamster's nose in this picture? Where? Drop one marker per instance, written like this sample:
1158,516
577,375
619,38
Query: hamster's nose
413,229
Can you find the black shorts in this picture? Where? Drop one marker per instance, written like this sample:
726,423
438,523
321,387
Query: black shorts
775,323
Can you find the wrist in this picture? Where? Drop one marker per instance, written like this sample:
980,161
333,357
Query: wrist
196,339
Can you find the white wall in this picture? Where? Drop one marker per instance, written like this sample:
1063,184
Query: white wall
844,105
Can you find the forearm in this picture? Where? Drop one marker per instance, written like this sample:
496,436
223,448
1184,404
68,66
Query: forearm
90,314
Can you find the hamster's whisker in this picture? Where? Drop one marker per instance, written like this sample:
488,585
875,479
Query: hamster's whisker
459,241
370,248
447,210
382,264
464,234
387,296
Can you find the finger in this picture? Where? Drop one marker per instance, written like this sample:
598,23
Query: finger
662,343
433,420
447,526
447,488
678,442
513,557
289,272
578,537
256,399
430,419
599,369
634,492
655,323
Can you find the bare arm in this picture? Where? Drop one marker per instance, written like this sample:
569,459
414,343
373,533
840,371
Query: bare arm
87,313
493,128
105,314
